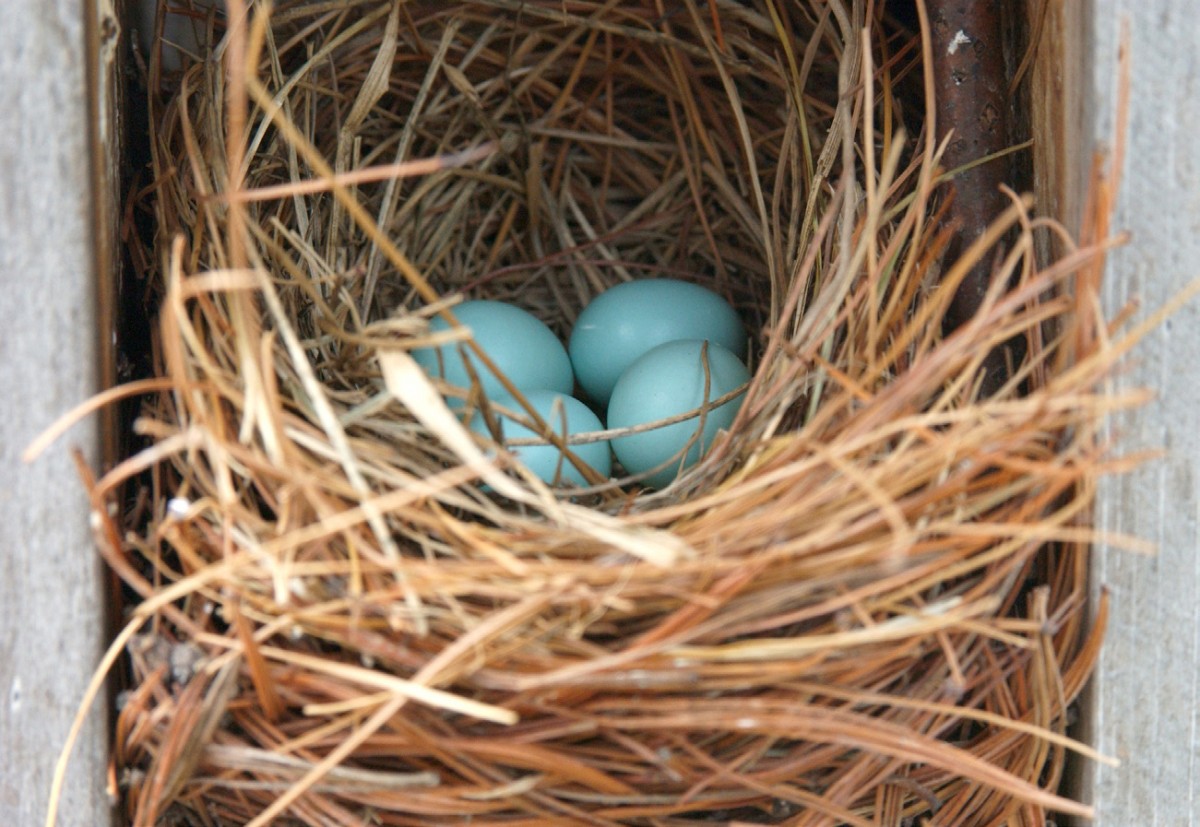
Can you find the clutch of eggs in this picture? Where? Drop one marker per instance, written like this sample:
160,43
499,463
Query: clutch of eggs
642,351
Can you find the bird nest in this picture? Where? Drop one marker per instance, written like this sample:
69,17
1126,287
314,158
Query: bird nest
866,605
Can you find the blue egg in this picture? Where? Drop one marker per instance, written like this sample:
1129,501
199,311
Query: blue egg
546,461
626,321
521,345
665,382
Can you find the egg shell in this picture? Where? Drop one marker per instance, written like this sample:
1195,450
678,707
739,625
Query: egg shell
627,320
665,382
546,461
521,345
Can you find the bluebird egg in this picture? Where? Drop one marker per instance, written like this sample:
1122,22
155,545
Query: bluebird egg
667,381
566,416
520,344
628,320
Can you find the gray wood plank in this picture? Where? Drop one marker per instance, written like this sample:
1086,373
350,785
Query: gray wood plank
50,582
1145,701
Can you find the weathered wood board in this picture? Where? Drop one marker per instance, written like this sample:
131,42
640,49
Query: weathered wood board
51,614
1144,704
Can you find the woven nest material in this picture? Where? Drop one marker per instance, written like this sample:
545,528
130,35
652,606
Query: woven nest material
865,606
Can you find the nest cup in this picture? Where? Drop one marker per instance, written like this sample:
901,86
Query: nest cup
865,605
616,157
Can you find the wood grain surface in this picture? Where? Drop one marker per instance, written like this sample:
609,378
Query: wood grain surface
1144,705
51,618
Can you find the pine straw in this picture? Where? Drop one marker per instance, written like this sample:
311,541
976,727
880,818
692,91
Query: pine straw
866,605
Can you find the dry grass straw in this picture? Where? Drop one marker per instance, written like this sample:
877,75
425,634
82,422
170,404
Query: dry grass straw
865,606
